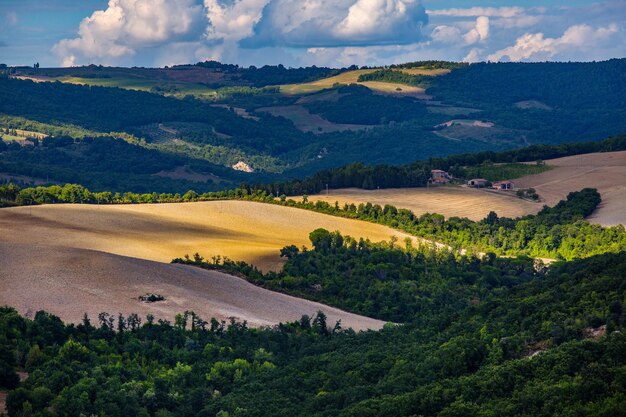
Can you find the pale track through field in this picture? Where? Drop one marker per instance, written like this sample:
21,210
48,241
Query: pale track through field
68,259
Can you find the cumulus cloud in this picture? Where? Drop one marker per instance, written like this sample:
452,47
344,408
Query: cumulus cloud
480,11
128,25
480,32
446,34
535,46
233,19
474,55
336,32
129,30
331,23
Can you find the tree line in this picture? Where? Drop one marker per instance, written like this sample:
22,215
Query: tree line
487,339
559,232
417,174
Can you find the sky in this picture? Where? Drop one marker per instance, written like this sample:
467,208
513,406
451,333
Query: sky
295,33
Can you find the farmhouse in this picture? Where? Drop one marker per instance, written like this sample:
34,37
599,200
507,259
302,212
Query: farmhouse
438,176
477,182
503,185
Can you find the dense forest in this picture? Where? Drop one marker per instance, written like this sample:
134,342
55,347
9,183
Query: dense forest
557,100
106,163
527,103
499,338
359,105
385,280
395,76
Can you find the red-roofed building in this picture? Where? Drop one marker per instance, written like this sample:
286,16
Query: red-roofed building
503,185
438,176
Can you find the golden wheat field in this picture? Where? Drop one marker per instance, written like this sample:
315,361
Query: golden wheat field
68,259
449,201
248,231
604,171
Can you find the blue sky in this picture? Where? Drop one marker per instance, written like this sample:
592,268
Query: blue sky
306,32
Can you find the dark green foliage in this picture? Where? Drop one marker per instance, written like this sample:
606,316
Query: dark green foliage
396,77
556,84
417,173
383,280
277,75
522,348
106,164
359,105
431,64
577,96
498,172
272,74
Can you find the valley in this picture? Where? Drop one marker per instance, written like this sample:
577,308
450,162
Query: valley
213,240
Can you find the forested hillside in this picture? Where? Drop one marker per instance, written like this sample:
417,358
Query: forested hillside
500,339
237,115
564,101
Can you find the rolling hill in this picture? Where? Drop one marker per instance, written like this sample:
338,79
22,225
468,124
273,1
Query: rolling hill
285,123
105,257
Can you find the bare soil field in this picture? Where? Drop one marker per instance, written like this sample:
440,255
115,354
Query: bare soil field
74,258
69,282
247,231
450,201
604,171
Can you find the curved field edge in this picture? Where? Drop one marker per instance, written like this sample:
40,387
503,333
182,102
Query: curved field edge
69,282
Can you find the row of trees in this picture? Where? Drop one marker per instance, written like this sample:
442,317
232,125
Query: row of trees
487,338
417,174
396,77
559,232
357,104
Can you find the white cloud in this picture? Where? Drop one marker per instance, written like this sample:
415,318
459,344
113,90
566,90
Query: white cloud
128,25
233,20
479,33
327,23
474,55
536,46
446,34
517,21
479,11
337,32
